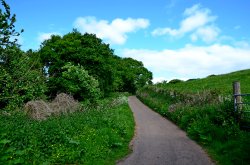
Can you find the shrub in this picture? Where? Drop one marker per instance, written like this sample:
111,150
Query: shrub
76,81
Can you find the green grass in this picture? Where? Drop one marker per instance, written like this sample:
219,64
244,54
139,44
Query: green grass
94,136
222,83
195,107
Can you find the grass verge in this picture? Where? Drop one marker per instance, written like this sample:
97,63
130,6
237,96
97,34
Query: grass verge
95,136
205,119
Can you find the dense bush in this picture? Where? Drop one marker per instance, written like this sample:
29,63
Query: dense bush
76,81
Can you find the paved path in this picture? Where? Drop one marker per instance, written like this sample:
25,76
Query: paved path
160,142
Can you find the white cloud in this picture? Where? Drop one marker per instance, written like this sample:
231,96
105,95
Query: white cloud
198,21
45,36
192,61
242,44
206,34
114,32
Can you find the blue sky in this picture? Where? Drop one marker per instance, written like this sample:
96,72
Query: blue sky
173,38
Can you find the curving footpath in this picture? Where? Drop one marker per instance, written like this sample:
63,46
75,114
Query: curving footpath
159,142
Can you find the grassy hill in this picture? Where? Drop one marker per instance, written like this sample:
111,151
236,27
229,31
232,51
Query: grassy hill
223,83
204,109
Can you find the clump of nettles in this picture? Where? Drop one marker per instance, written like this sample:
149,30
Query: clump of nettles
62,104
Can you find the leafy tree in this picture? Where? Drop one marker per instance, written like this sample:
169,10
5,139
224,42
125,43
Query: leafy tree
7,29
20,80
87,50
112,72
132,75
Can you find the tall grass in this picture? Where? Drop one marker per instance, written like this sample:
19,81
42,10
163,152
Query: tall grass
204,109
99,135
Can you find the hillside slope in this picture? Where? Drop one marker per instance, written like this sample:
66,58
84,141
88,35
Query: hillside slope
223,83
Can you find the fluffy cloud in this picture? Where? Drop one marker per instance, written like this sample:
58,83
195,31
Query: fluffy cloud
114,32
192,61
206,34
45,36
198,21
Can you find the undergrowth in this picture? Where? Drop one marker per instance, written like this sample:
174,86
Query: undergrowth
97,135
206,116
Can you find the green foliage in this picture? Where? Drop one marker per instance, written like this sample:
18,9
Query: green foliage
174,81
112,72
86,50
134,75
20,81
76,81
94,136
7,29
204,109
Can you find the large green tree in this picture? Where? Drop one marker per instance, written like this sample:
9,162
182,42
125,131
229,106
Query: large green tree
112,72
133,75
87,50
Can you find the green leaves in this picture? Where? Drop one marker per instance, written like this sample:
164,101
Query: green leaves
112,72
86,50
76,81
131,75
7,29
4,141
20,79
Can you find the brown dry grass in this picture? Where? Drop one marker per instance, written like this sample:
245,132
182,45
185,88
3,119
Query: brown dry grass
62,104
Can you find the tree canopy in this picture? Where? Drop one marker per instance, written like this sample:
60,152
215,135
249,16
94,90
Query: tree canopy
112,72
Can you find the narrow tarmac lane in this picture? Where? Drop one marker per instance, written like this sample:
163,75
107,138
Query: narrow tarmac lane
160,142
